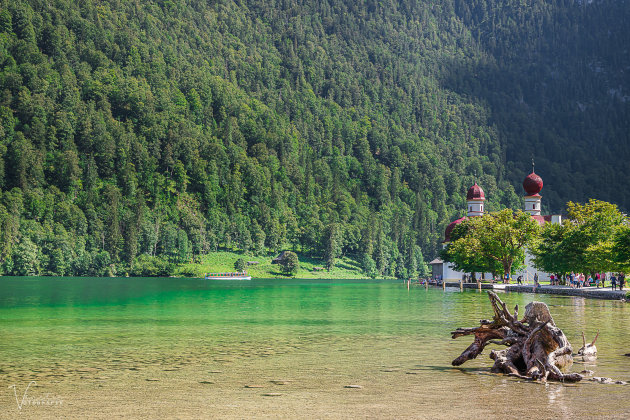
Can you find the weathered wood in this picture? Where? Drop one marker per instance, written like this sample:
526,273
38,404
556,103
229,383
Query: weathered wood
536,348
588,352
483,335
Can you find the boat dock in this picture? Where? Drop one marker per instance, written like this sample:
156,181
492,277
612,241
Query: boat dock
587,292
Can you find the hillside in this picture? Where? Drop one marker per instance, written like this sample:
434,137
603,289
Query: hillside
169,129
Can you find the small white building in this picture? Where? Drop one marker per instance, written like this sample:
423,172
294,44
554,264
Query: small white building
475,199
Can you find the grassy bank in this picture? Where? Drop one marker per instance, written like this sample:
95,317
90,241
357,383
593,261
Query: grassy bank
222,261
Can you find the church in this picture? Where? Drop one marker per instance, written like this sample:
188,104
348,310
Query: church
475,199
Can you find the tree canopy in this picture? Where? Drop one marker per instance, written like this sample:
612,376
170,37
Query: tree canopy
464,255
588,240
494,240
290,263
621,248
137,135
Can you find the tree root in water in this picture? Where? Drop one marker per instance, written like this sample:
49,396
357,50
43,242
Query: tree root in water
536,349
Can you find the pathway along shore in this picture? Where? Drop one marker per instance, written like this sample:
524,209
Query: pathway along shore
587,292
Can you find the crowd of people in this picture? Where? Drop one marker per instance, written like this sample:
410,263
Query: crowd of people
575,280
578,280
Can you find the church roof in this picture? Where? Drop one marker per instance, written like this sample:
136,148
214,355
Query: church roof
475,193
450,227
532,184
542,219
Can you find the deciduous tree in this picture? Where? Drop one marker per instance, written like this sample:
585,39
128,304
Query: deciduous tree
494,239
290,263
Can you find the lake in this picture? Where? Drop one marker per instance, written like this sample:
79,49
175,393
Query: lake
165,347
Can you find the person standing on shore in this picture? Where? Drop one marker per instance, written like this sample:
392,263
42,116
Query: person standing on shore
597,280
622,280
603,277
613,282
536,280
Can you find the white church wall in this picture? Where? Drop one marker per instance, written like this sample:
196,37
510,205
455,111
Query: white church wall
450,274
529,271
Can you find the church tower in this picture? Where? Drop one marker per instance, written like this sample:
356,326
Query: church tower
475,199
532,185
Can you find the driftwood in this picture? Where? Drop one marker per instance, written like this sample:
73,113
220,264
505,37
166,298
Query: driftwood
536,348
588,352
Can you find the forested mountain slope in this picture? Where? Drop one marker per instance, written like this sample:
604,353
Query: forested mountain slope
558,86
172,128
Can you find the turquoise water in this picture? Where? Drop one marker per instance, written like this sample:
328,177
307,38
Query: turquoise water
281,348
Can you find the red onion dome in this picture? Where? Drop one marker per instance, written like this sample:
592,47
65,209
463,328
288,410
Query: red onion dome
532,184
450,227
475,193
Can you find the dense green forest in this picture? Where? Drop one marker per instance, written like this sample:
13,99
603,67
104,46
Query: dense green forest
145,133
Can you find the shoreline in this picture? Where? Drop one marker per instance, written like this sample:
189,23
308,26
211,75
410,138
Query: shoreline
590,292
261,266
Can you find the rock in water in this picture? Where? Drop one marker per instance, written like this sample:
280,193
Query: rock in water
602,380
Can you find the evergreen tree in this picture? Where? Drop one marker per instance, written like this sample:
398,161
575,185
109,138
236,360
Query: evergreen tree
26,261
379,250
240,265
127,138
333,245
368,265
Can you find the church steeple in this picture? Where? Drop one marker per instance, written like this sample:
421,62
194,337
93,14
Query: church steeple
475,199
532,185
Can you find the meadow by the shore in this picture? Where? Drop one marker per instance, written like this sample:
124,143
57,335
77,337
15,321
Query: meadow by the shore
223,261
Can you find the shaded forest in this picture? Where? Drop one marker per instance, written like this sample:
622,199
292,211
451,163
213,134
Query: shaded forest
139,134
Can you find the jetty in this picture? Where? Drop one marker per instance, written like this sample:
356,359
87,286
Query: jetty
591,292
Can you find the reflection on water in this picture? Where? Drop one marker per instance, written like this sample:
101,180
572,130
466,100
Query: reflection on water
201,348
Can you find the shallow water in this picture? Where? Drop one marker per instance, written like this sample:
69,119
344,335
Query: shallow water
274,348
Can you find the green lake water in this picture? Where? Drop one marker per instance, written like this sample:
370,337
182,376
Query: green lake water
164,347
